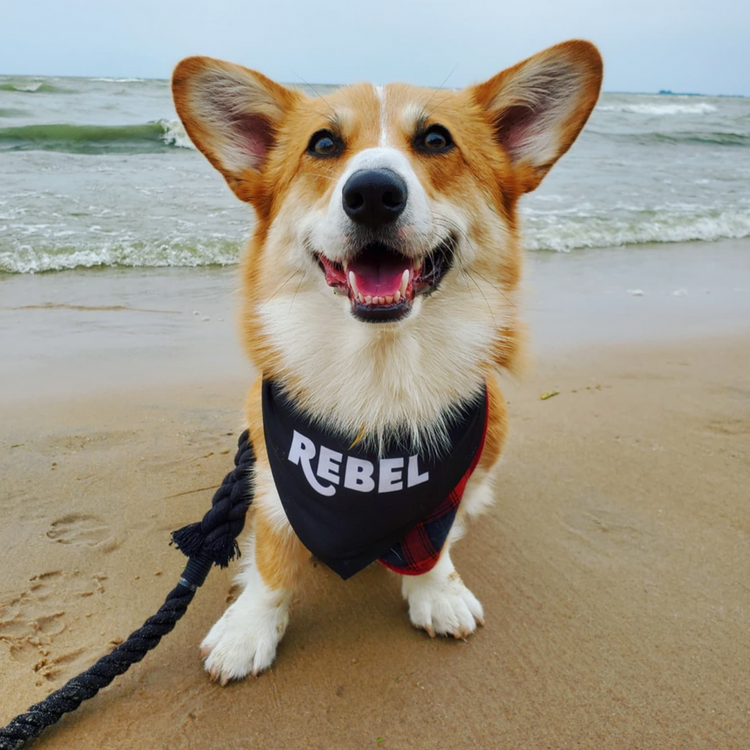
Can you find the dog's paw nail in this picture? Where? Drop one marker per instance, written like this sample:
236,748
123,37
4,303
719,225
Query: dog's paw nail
205,651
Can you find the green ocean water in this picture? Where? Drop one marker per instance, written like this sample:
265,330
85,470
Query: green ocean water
99,172
87,139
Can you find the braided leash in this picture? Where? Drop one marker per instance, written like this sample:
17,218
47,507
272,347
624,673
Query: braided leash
211,541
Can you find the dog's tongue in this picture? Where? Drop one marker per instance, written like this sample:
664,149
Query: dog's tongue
379,274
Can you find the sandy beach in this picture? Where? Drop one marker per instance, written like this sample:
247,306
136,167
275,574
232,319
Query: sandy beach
613,568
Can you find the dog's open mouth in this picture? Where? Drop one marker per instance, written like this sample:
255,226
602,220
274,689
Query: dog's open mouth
381,283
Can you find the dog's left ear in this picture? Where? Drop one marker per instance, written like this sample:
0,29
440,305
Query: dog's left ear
538,107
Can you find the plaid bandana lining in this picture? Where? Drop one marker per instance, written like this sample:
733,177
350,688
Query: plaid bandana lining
419,551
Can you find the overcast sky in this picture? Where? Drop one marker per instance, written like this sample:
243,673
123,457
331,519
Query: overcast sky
682,45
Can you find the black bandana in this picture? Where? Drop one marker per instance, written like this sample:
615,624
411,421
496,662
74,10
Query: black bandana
350,506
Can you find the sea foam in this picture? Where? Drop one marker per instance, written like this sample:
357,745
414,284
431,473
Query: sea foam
558,233
32,87
119,80
175,135
563,234
39,258
697,108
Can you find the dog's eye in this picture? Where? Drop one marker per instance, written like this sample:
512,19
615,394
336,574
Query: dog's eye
436,139
324,143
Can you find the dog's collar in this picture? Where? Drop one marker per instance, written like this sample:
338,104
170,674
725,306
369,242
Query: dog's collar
351,506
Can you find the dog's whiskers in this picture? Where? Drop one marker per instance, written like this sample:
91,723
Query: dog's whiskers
324,176
438,89
498,289
288,279
318,94
489,308
446,223
295,292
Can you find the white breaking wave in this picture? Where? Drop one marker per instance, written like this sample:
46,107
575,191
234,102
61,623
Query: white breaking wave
559,233
175,135
698,108
35,259
27,87
562,234
119,80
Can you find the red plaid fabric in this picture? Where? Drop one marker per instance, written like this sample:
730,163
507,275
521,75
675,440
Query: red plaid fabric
419,551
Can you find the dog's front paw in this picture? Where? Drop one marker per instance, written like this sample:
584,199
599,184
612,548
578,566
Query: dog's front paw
243,641
442,605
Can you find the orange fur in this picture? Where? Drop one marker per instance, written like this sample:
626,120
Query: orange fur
497,426
279,556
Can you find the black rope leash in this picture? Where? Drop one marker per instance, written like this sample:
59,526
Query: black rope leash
212,541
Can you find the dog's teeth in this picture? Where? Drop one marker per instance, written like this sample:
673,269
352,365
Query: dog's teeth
389,299
417,265
353,283
368,299
404,282
397,297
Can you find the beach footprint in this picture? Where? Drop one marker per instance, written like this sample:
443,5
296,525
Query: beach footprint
33,622
82,530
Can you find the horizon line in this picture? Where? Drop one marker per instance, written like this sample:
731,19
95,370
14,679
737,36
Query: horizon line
133,79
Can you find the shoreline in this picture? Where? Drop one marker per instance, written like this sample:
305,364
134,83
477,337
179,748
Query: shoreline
93,330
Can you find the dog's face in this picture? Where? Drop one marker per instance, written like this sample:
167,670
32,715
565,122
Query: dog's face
385,209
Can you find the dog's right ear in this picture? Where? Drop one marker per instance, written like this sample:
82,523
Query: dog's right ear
232,114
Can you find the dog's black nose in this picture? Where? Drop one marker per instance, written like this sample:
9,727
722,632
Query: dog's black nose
374,197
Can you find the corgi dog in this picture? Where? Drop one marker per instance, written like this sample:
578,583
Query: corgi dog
379,299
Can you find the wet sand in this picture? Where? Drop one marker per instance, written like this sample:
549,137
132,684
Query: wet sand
613,567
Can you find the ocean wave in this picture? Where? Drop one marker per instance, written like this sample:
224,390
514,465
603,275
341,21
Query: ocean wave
119,80
96,139
38,258
12,112
696,108
690,137
713,139
557,233
33,87
565,233
175,135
